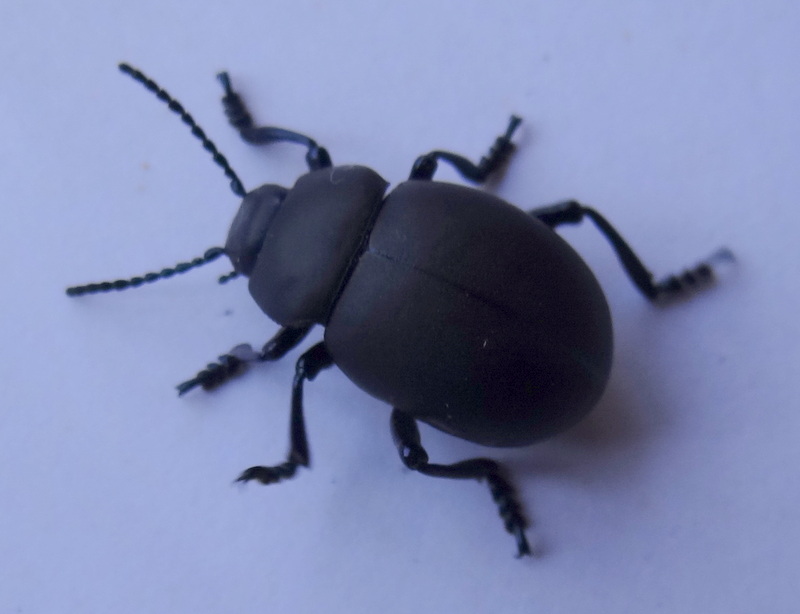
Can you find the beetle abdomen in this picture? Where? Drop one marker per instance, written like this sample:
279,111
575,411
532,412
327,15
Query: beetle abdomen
469,314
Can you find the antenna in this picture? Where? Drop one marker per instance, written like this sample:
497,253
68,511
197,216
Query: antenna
134,282
236,186
177,107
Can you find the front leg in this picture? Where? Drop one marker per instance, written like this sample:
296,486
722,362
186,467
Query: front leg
235,362
239,117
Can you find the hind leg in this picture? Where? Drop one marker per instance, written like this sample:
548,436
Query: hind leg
572,212
406,437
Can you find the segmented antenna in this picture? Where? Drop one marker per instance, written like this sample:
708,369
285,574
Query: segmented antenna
176,107
236,185
133,282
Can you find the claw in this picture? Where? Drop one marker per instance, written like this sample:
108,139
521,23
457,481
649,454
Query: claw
186,386
268,475
523,548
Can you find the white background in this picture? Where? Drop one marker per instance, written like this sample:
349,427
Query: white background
678,120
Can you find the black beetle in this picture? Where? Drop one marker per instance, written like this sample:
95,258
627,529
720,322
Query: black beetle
453,306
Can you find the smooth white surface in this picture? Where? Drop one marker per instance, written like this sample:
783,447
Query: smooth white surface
679,121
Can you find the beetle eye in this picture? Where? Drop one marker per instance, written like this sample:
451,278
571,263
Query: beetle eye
250,225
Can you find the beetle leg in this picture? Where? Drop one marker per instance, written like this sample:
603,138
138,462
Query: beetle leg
307,368
406,437
425,166
572,212
235,362
239,117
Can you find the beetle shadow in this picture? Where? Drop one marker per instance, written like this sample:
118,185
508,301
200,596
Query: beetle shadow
601,452
613,425
607,445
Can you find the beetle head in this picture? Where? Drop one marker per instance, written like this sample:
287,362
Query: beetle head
250,225
243,244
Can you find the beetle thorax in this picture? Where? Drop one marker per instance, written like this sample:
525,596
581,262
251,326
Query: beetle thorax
311,242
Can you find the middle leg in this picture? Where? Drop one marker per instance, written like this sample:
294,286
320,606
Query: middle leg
308,366
426,165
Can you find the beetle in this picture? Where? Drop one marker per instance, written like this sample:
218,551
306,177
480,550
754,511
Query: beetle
453,306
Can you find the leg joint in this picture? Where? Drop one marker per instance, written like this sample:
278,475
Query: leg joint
312,362
424,167
413,456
